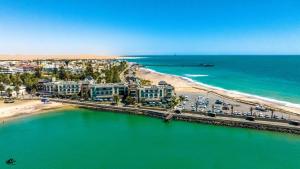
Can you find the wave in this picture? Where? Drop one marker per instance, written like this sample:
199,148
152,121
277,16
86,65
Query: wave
195,75
285,103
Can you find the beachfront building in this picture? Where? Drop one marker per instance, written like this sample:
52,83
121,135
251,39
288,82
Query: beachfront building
49,89
161,92
62,88
85,87
68,88
105,92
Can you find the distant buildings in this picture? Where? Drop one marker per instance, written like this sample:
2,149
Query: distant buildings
88,88
10,70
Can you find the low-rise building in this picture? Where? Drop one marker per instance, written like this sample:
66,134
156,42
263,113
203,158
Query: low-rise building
160,92
68,88
105,92
62,88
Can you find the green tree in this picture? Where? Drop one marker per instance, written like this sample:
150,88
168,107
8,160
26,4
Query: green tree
181,98
9,92
89,71
116,99
63,74
174,102
145,82
130,100
2,88
67,62
38,72
17,89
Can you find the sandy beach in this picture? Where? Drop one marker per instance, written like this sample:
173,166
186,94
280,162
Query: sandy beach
185,87
22,108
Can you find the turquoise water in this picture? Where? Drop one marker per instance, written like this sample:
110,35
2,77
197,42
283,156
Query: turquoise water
275,77
86,139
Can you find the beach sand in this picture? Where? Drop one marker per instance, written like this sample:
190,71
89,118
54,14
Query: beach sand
21,108
186,87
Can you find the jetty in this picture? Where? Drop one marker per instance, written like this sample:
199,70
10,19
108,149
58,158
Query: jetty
169,117
258,124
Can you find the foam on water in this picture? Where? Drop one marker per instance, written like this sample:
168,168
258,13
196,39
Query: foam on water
195,75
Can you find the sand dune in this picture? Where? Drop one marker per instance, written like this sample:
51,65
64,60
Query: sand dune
55,57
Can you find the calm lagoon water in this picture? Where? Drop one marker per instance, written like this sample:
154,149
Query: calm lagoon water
79,138
275,77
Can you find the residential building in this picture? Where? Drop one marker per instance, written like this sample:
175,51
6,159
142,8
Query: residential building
105,92
68,88
160,92
62,88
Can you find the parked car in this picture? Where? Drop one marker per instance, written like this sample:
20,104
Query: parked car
218,102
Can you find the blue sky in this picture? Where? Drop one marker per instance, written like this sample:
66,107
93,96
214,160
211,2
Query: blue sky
133,27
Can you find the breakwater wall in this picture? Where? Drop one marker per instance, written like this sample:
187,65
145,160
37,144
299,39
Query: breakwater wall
222,121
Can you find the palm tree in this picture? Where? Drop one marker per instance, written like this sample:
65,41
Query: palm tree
116,99
272,113
2,88
181,98
17,89
174,102
9,92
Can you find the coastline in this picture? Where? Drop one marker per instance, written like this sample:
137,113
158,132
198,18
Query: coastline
186,85
25,108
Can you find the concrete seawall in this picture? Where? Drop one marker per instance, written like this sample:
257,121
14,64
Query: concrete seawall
222,121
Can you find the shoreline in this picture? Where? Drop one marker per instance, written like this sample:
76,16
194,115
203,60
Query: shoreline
187,85
26,108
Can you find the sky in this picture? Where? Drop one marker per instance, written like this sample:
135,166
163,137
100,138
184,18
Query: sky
137,27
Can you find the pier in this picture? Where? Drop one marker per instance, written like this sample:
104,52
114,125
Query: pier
169,117
277,126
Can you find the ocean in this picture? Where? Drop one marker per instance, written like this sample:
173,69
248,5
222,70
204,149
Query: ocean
87,139
271,77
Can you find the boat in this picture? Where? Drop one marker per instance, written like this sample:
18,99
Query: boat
206,65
